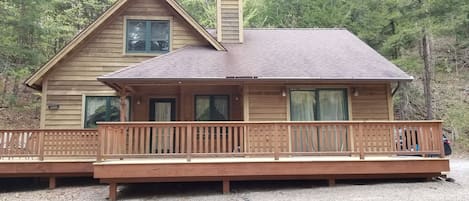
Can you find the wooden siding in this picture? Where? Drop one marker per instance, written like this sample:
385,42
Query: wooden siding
371,103
229,25
374,102
266,103
100,54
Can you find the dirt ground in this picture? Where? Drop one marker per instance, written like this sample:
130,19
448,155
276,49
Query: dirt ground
383,190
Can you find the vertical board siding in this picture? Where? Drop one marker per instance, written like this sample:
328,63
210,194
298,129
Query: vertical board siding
371,103
100,54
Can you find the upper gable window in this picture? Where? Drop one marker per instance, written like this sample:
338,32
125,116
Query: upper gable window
148,36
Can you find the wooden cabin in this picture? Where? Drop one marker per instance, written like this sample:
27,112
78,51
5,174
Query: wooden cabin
146,94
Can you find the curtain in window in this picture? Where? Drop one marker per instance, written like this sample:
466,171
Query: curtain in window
220,108
211,108
202,108
163,111
302,105
332,105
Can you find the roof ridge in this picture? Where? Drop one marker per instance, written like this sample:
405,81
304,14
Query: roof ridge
299,28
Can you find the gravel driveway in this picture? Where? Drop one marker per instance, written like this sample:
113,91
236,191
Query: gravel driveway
13,190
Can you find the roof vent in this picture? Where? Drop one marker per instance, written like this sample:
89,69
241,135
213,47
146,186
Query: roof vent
242,77
230,21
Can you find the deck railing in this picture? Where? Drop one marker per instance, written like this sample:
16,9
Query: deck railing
226,139
276,139
46,143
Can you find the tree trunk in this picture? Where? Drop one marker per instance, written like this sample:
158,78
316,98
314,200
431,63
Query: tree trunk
15,86
403,102
4,90
427,76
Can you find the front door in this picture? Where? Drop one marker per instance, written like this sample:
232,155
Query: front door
162,109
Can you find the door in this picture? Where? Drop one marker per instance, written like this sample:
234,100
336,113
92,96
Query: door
162,109
319,105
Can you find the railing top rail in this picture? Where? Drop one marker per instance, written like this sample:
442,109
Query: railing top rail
182,123
48,130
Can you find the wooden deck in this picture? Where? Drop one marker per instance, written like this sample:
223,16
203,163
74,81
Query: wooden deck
129,152
225,170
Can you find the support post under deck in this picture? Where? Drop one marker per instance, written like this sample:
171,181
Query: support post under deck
52,182
331,182
113,191
226,186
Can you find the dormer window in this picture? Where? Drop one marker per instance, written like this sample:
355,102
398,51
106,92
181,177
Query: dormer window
148,36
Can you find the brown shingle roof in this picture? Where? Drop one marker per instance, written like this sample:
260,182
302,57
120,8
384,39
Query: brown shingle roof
312,54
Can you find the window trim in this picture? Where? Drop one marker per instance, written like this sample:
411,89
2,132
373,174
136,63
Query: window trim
147,18
84,104
316,90
211,100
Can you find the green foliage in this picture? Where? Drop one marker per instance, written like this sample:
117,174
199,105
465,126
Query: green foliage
33,31
412,64
204,11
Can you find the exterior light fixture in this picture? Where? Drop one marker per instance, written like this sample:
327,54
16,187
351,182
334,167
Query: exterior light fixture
139,100
355,92
284,93
53,106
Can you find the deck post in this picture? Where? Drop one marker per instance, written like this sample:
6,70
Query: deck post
99,152
52,182
276,142
123,106
439,139
245,140
189,142
361,141
113,191
331,181
226,186
41,146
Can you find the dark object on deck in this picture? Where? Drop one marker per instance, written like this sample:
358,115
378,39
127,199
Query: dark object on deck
447,146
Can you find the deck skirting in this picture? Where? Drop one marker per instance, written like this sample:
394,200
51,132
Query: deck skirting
129,170
224,170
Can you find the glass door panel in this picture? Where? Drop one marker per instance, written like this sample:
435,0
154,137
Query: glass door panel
332,105
302,105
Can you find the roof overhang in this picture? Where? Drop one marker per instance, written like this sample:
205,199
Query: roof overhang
119,83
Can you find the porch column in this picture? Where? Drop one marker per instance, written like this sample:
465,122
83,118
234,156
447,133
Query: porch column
123,107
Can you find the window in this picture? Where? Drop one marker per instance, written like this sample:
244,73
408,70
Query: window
148,36
102,108
318,104
211,108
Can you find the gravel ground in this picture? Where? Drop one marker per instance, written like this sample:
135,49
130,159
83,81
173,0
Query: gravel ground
88,190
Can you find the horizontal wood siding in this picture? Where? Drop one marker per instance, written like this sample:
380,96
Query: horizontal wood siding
371,103
266,103
230,21
100,54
